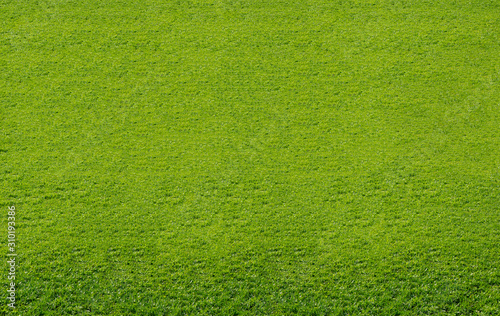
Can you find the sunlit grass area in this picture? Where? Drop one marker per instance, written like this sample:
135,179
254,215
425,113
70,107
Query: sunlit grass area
251,157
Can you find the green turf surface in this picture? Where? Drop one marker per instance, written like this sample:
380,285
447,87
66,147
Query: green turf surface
251,157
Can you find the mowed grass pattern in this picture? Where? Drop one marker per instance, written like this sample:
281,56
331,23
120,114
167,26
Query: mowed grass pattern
255,157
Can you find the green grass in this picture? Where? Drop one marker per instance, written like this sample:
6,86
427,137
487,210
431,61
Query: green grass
252,157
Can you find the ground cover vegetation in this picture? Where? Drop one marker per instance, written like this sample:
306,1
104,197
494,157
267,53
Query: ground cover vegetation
258,157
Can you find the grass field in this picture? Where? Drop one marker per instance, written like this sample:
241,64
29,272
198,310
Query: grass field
251,157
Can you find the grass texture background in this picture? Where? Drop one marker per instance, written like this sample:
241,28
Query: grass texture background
258,157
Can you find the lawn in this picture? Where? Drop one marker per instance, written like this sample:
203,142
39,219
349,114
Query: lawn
251,157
